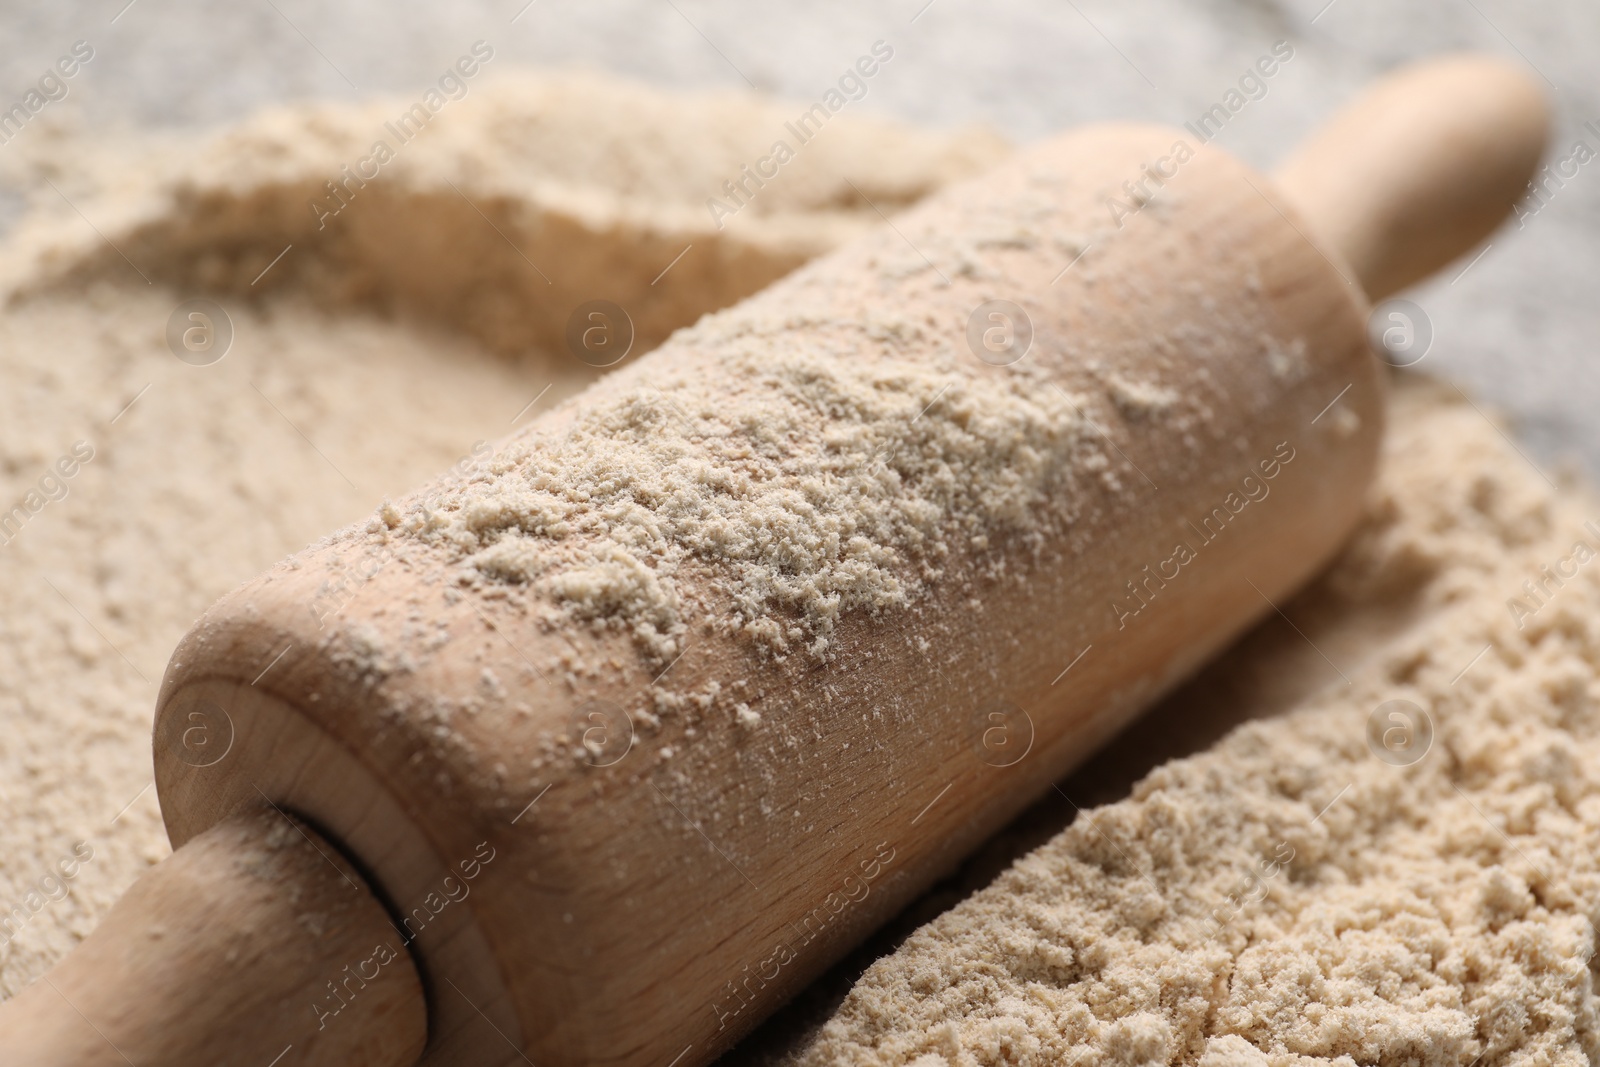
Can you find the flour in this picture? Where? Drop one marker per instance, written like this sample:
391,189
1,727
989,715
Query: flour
1283,898
816,487
361,367
1288,897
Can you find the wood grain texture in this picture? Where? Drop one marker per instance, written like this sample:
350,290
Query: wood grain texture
648,899
256,944
283,754
663,904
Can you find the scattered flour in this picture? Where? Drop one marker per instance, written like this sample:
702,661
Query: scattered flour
512,206
372,356
1288,898
1438,913
1139,400
817,487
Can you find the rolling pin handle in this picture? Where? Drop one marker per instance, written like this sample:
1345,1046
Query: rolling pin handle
1420,168
253,941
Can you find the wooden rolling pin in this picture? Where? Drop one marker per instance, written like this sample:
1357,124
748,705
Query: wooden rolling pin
422,812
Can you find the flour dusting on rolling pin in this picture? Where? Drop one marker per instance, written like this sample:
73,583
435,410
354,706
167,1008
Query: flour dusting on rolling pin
733,653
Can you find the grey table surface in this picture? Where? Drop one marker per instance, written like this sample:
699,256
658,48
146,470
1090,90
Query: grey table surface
1516,329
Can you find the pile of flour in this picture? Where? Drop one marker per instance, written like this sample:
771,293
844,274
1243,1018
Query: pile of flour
1401,868
357,371
1285,893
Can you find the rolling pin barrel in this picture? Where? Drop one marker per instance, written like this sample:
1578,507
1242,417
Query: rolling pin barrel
602,850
